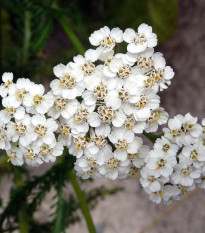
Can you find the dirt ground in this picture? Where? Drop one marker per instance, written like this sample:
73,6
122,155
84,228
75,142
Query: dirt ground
130,210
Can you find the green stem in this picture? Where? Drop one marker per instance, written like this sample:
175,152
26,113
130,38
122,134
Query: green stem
42,38
59,212
23,220
27,35
74,39
22,215
82,201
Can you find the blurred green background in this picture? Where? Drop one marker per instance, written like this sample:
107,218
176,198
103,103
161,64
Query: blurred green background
35,35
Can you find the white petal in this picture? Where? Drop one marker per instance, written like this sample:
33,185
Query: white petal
59,70
93,119
7,76
121,155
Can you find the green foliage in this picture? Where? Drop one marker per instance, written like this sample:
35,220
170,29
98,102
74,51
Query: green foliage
27,26
66,210
33,22
30,195
58,227
43,184
160,14
164,17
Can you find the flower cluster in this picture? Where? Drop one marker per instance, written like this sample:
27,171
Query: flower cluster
177,161
96,106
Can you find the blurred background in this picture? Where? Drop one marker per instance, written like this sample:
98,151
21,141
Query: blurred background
37,35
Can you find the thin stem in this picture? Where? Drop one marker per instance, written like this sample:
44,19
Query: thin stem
74,39
42,38
27,35
59,212
22,215
82,201
23,220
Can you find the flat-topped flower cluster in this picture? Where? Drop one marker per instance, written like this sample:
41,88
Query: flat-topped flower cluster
97,107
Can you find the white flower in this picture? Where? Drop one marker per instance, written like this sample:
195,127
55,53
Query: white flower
22,130
98,139
44,129
50,152
36,101
86,167
96,97
158,117
155,196
64,129
10,112
70,83
174,131
203,122
94,79
184,130
138,158
142,105
144,60
85,64
63,107
81,120
121,65
111,167
201,181
184,189
78,145
106,115
167,193
125,142
106,57
7,78
123,95
105,38
166,146
195,152
88,161
31,154
18,91
148,180
4,139
161,74
15,156
185,174
136,126
141,40
202,136
97,94
191,130
170,193
161,163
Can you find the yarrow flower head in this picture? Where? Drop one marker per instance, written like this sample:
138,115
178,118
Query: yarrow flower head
97,107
